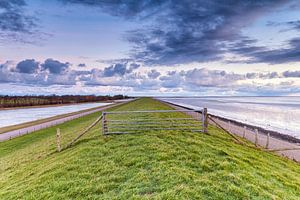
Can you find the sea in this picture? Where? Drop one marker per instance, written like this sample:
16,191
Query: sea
22,115
280,114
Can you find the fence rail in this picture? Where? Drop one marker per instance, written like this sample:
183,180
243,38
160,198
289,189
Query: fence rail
121,122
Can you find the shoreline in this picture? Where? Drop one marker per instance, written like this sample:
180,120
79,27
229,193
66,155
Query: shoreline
264,131
275,141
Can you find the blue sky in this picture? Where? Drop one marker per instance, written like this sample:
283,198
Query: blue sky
161,47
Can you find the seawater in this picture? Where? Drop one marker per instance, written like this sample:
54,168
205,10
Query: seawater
23,115
281,114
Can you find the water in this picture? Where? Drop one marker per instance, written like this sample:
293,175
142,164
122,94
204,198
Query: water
281,114
18,116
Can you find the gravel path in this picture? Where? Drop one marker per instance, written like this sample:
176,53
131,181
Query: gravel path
15,133
274,143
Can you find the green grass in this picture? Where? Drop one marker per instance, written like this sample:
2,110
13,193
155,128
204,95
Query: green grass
150,165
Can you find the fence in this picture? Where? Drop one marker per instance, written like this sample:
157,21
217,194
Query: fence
153,120
261,137
15,133
285,145
195,120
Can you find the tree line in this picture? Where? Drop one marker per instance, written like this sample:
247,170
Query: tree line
20,101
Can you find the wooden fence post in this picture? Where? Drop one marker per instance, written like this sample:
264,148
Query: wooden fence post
268,141
103,123
244,132
58,140
256,137
204,120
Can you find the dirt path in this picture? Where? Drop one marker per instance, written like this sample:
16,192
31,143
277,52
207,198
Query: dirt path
15,133
274,143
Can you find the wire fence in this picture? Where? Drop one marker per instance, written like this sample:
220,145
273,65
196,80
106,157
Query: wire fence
26,130
266,140
262,138
152,120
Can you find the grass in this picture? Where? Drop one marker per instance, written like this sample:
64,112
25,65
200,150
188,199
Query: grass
150,165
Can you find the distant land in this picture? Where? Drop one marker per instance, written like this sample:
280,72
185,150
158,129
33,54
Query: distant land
24,101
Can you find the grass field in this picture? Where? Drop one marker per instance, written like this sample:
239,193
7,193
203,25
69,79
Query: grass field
150,165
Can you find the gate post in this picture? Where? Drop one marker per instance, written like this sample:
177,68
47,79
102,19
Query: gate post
103,123
58,143
204,120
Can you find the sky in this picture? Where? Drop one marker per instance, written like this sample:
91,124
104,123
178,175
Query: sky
150,47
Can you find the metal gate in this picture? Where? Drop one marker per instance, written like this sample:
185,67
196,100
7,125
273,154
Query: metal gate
123,122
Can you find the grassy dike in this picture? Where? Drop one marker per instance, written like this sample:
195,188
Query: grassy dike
151,165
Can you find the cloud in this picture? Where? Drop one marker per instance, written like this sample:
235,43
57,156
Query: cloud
184,31
129,76
61,79
127,9
291,24
28,66
30,72
117,69
269,75
120,69
134,66
12,17
153,74
118,74
294,24
81,65
54,66
211,78
171,80
221,82
289,74
15,25
275,56
40,78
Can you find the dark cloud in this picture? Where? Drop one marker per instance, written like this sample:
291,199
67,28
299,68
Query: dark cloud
54,66
295,6
291,24
15,25
294,24
134,66
184,31
276,56
119,69
12,17
126,9
291,74
81,65
35,77
28,66
153,74
269,75
262,54
245,47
